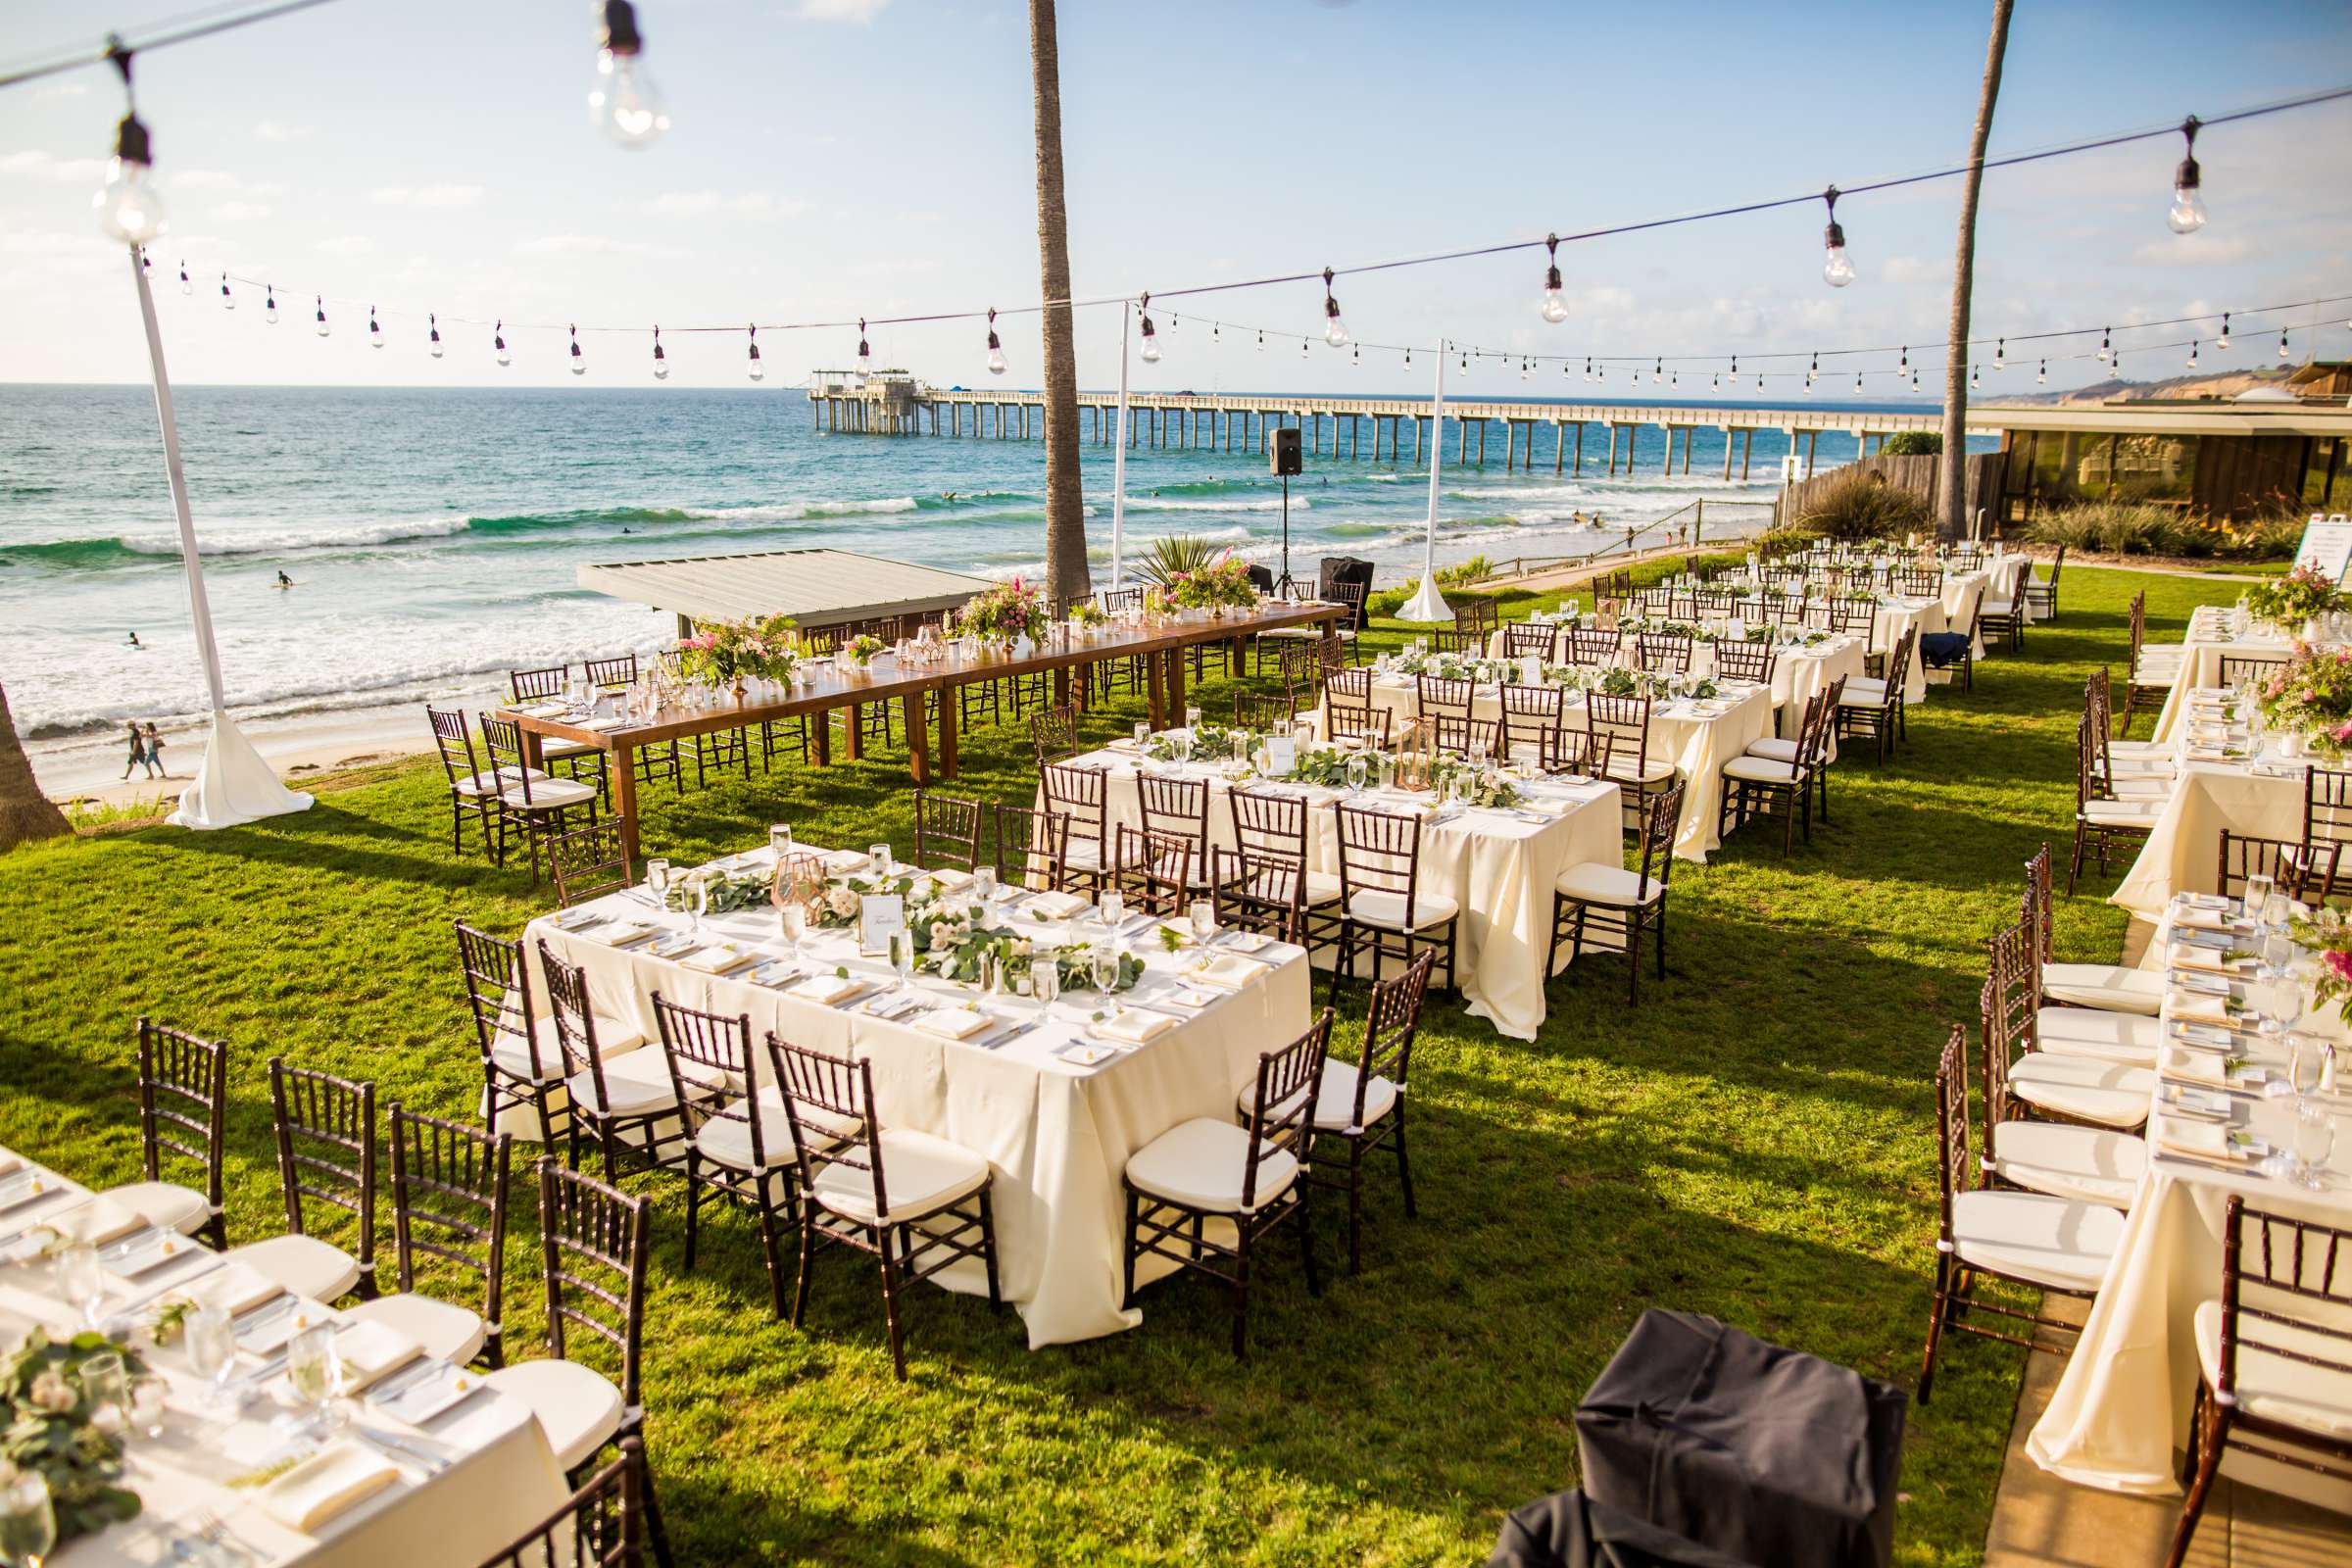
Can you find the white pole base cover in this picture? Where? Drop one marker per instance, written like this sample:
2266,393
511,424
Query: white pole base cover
1427,604
235,786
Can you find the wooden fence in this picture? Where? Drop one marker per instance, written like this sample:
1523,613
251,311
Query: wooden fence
1919,474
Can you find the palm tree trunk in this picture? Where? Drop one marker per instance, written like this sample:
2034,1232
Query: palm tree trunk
1951,508
25,813
1066,575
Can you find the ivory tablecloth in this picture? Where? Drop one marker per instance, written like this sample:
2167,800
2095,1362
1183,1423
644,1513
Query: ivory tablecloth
2122,1405
2182,853
2207,643
502,1478
1499,867
1057,1135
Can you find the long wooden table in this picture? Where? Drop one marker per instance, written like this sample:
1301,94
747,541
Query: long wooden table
1161,648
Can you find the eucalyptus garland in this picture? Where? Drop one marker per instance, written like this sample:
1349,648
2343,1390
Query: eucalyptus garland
54,1432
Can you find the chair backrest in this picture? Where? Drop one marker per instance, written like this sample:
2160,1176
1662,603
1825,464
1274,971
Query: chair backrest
2286,1297
2039,908
1461,736
1814,744
711,1048
1156,868
1455,640
1350,594
1283,1114
1521,638
1535,715
612,675
589,861
1663,653
529,684
2326,806
2136,624
1589,646
1176,807
1856,617
573,1012
326,1128
1898,663
1620,729
947,832
454,741
2242,668
502,740
1661,820
1353,684
1951,1133
1077,795
1918,582
498,990
1786,608
1026,836
1360,720
1380,851
1477,617
1390,1025
1054,733
2012,992
1435,696
1269,823
601,1525
594,1247
2243,855
449,1201
829,1105
184,1092
1262,712
2090,783
1739,660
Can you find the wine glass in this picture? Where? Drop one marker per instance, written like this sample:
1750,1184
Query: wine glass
657,881
2315,1140
212,1348
81,1281
1205,921
1478,751
150,1400
1112,907
310,1368
1356,768
792,921
2257,897
1044,975
1191,717
103,1383
880,855
902,958
699,889
28,1522
984,883
1183,741
1107,968
1142,731
779,841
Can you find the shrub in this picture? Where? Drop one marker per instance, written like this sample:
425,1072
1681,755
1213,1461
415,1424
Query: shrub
2139,528
1177,554
1859,504
1913,444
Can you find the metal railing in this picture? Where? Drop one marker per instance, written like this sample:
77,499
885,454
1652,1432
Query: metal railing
1685,527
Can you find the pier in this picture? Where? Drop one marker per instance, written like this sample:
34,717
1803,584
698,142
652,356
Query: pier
894,403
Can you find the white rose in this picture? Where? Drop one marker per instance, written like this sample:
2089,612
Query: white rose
50,1392
941,941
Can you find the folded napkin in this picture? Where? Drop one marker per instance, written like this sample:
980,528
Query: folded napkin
1545,805
1181,933
336,1478
1125,742
949,880
2198,1139
622,933
367,1350
2208,1067
546,709
2187,956
103,1219
607,722
1054,906
1225,973
235,1288
827,988
2198,919
2198,1009
1247,941
952,1023
718,958
1135,1027
841,863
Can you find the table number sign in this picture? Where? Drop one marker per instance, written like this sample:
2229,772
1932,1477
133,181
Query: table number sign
880,916
1282,756
2327,544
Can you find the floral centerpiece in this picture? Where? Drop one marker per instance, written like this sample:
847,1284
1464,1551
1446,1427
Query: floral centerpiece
52,1429
1158,604
2295,600
2327,933
861,650
1005,613
726,653
2310,695
1221,586
956,938
1089,614
1474,785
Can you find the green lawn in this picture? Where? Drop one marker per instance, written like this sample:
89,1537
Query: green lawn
1753,1142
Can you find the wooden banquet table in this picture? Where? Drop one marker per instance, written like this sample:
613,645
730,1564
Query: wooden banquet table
825,688
464,1484
1057,1132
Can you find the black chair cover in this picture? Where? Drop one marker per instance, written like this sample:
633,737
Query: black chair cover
1940,650
1569,1530
1349,568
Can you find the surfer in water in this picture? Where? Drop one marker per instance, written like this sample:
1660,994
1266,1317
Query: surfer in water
134,641
283,582
947,495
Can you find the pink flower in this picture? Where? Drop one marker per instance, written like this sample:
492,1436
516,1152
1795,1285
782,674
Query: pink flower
2339,965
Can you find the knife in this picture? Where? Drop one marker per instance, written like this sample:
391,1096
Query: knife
433,1463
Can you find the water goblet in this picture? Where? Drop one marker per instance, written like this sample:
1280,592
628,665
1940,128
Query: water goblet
105,1384
883,860
902,958
1112,907
311,1369
211,1349
792,921
1356,768
1142,731
657,881
81,1281
1107,968
2277,911
2257,897
27,1522
1183,740
779,841
2303,1066
699,887
150,1400
1204,913
1044,975
1191,717
2315,1140
984,883
1478,751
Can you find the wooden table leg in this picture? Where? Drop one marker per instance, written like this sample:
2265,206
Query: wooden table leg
948,702
1061,686
625,800
1175,685
919,737
820,736
852,734
1155,706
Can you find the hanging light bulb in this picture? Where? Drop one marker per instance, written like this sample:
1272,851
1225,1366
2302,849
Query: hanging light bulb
1718,381
1554,308
1465,362
1302,348
1587,366
1735,369
1334,330
865,352
228,301
623,102
1904,364
1808,385
146,262
268,305
757,371
2283,354
185,287
2000,354
1565,370
1835,270
579,361
2042,377
498,344
2192,353
2106,344
433,335
1151,349
1857,383
1674,379
375,333
2221,345
1972,377
128,206
1915,380
318,305
2187,214
1217,334
1657,371
996,350
1408,358
1262,340
1523,370
1356,357
660,357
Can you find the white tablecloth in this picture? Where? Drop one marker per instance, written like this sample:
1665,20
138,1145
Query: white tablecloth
1499,867
502,1480
2207,643
2182,853
2122,1404
1057,1135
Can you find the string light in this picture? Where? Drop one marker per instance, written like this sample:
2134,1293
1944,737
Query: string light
498,345
1905,363
865,352
1334,330
660,357
375,333
1857,383
757,371
433,335
1658,371
2042,377
1524,370
1408,358
1588,368
228,301
268,305
185,287
2187,214
1718,386
1554,308
1302,348
2192,353
996,350
2000,354
319,305
1566,368
579,361
2283,354
2106,345
1262,340
1356,357
1972,377
1835,270
128,206
623,102
2221,345
1151,340
1813,369
1915,380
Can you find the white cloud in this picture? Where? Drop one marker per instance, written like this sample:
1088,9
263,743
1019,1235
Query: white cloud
591,245
279,131
204,179
241,212
860,11
1914,269
427,196
59,89
33,164
2202,250
751,204
346,245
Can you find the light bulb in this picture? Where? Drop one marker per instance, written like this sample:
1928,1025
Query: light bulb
270,305
1857,383
2187,213
498,344
2193,354
433,339
1356,358
995,349
2221,345
1262,340
1555,304
2106,348
2000,354
1972,379
319,305
185,287
1334,330
757,371
128,206
375,333
661,358
624,101
1837,269
1151,349
866,351
1302,347
579,361
2042,377
2283,354
228,301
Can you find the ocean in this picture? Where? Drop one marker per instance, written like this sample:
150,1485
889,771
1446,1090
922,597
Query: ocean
431,535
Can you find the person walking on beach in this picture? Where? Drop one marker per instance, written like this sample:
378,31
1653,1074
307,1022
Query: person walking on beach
138,748
154,754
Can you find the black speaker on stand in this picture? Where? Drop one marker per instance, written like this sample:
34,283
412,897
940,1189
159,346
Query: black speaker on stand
1284,458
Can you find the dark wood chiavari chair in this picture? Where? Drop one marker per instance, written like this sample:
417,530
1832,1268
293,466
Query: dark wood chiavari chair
1756,786
1458,643
184,1096
589,862
2053,1244
1077,795
1264,882
1521,639
325,1129
1535,718
1053,734
1604,899
1874,709
1437,697
601,1525
449,1203
1589,647
2040,595
1477,617
537,803
1251,1177
1466,737
1363,1103
2149,675
625,1099
1855,617
522,1066
1154,871
1383,909
1739,660
471,787
1177,808
595,1246
936,1213
1617,739
1663,653
741,1150
2297,870
1265,713
1350,596
2102,987
1356,722
2075,1081
2239,668
947,832
1032,846
2327,828
1917,582
540,685
1350,685
2103,824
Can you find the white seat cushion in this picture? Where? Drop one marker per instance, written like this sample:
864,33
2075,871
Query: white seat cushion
2158,751
1760,770
922,1173
2121,814
2078,1162
578,1409
1387,910
167,1205
513,1058
2048,1241
728,1140
552,746
2317,1398
448,1333
1335,1105
491,781
1996,607
2150,673
304,1264
2141,767
2141,787
1083,854
1863,691
548,795
1201,1164
2106,1093
1315,888
1652,771
637,1083
1598,882
2108,985
1773,750
2128,1037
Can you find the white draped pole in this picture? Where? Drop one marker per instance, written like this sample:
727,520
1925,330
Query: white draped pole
235,786
1118,465
1427,604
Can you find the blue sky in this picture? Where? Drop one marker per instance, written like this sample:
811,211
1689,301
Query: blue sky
832,158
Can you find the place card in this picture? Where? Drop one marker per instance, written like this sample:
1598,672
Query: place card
880,916
1282,756
1080,1053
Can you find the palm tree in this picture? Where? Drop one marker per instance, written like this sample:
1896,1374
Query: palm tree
1951,508
25,813
1066,575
